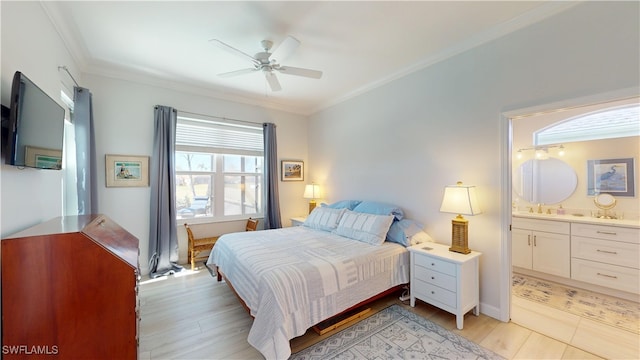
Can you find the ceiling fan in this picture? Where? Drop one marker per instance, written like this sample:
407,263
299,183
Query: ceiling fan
268,62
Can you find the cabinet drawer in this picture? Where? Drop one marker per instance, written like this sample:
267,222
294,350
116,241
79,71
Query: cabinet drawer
435,264
606,251
444,281
616,233
431,293
616,277
558,227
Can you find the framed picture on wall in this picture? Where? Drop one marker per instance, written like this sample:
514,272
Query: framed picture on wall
611,176
292,170
127,170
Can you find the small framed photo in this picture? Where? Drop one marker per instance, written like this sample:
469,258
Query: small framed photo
611,176
127,170
292,170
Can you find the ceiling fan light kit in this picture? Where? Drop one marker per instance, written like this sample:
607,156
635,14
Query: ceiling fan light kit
268,62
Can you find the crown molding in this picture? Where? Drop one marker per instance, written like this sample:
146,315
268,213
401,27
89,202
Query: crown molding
80,55
193,87
68,36
528,18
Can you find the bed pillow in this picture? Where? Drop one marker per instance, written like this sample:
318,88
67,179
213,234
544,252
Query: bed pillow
368,228
378,208
344,204
323,218
401,231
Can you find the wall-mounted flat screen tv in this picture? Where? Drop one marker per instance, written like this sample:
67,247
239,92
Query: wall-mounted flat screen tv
36,127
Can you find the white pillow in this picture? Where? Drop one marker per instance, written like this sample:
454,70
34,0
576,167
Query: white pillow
419,238
369,228
323,218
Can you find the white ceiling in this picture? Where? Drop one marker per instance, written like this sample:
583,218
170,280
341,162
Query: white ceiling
358,45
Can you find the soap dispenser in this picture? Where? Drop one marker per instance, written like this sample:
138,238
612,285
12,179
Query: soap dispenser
560,210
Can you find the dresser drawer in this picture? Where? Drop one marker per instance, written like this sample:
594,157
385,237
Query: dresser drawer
431,293
616,233
606,251
558,227
435,264
612,276
439,279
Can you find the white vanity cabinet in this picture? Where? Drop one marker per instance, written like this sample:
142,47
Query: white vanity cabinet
606,255
541,245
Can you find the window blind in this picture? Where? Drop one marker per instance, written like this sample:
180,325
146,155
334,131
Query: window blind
607,124
206,135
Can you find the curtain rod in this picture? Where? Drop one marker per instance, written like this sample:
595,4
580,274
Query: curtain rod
71,76
221,118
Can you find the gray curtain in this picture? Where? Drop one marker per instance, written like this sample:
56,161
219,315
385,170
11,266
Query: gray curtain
272,218
86,171
163,235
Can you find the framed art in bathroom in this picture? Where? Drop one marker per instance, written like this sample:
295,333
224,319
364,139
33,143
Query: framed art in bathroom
611,176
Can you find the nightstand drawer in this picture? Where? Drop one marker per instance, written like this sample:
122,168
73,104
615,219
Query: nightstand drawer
438,265
430,292
444,281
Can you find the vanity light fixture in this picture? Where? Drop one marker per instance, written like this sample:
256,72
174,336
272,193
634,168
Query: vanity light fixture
542,151
312,192
462,200
542,154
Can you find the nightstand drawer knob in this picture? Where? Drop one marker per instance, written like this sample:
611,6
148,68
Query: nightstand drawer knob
432,292
433,278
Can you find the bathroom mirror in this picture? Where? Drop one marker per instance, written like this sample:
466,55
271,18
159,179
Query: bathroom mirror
605,201
548,181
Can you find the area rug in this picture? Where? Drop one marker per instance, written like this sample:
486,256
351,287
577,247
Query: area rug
395,333
613,311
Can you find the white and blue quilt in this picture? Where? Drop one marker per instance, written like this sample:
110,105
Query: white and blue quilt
293,278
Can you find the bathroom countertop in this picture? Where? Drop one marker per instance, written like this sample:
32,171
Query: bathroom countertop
633,223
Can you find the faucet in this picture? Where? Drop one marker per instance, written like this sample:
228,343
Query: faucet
539,208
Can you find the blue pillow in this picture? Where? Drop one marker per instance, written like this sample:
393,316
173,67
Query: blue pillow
401,231
378,208
344,204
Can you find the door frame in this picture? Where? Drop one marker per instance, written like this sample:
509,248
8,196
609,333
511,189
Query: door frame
506,133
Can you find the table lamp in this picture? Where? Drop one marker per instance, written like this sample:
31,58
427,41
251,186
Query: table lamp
462,200
312,192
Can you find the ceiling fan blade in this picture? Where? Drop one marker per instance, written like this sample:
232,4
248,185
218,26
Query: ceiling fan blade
286,48
237,72
272,80
234,51
290,70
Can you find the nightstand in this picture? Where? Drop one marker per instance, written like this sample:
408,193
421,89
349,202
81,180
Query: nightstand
445,279
298,221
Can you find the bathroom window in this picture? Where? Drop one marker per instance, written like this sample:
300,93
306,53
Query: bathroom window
615,122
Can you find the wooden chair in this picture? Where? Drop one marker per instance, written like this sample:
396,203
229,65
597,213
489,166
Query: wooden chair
197,246
252,224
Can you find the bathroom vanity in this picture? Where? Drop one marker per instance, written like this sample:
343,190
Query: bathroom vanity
602,252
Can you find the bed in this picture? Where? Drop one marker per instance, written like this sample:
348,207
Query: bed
292,278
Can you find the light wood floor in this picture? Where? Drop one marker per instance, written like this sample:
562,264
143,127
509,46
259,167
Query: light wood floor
192,316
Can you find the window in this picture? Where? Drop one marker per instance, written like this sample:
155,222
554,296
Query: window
69,183
603,124
219,168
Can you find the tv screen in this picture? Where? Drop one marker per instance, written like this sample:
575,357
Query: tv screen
36,127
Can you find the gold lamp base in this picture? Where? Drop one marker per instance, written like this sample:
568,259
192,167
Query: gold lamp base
460,235
312,205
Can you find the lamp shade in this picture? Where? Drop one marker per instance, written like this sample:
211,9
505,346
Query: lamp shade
311,191
460,199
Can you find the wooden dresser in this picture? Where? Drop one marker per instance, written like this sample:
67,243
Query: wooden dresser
70,290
